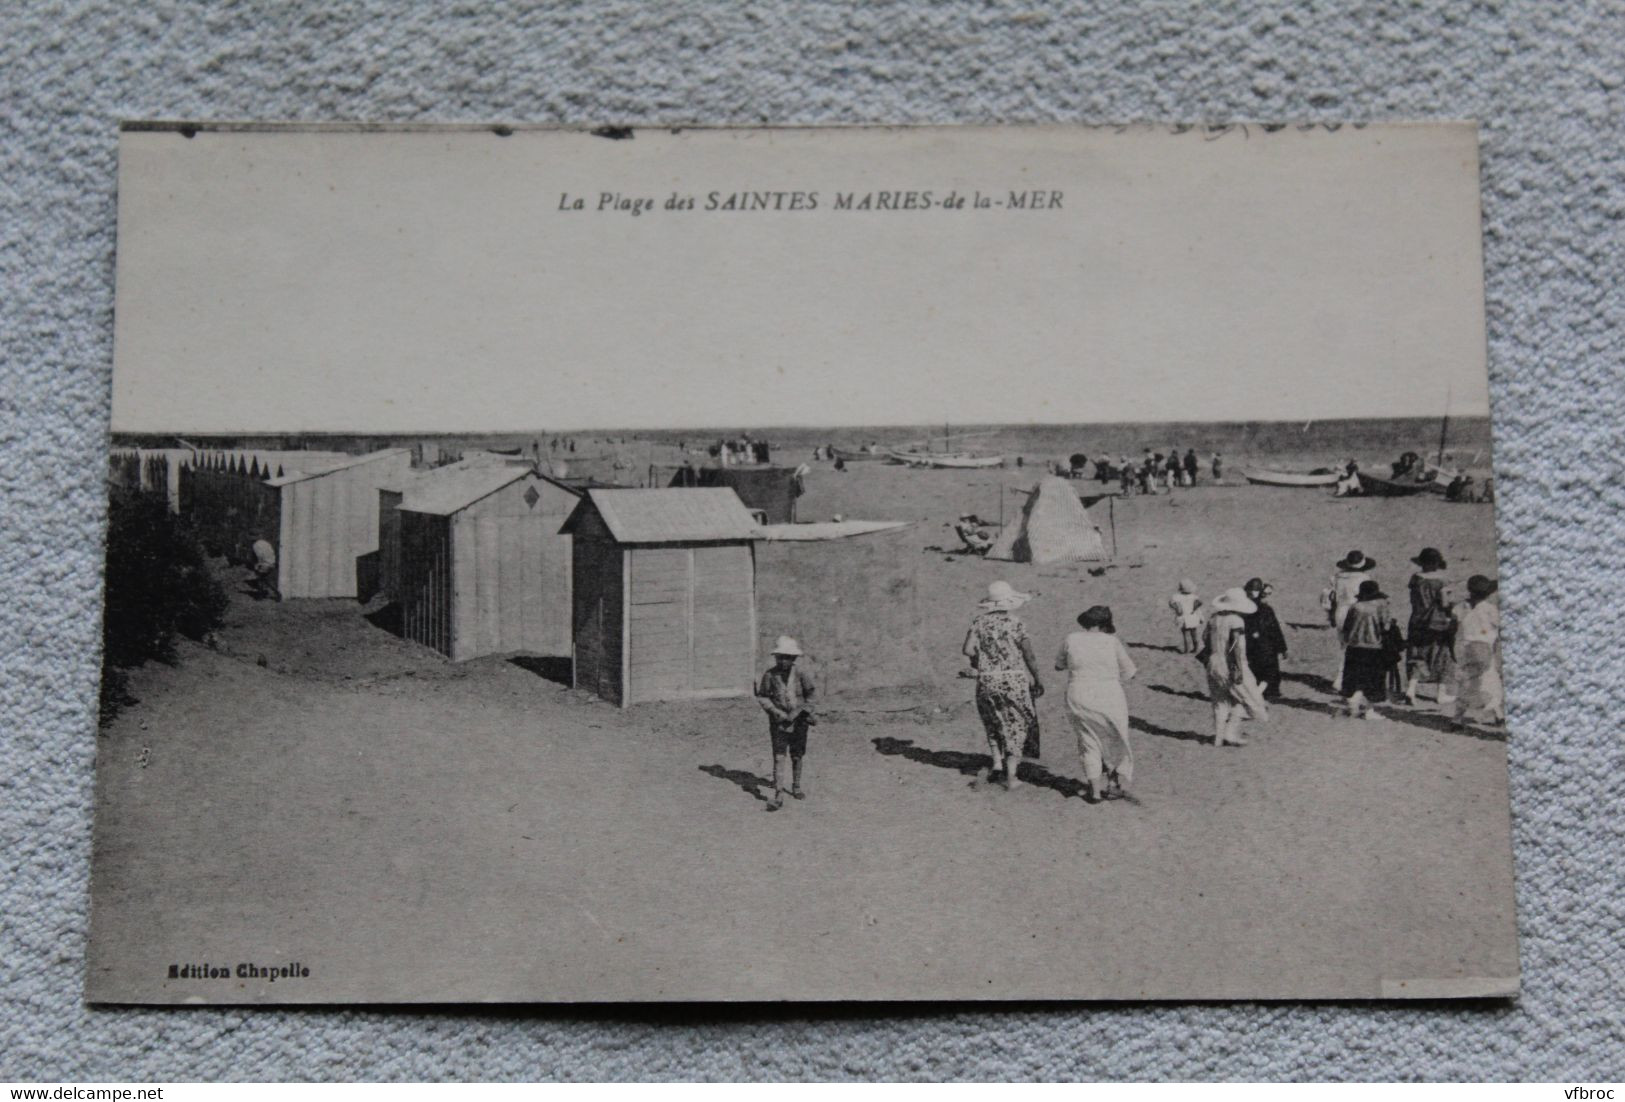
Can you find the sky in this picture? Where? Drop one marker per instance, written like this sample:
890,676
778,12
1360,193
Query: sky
442,280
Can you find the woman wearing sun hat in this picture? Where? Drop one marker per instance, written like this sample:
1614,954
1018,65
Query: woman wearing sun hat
1007,680
1235,693
1097,665
1430,636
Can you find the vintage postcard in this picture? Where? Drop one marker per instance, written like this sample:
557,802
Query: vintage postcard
800,564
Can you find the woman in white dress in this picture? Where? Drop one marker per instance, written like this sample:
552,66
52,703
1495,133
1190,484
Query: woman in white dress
1097,664
1231,686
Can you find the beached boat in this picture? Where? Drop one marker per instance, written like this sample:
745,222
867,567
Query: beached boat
828,529
858,456
944,460
1321,476
1377,486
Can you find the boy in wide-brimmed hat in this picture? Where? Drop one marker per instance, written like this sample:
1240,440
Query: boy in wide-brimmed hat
786,695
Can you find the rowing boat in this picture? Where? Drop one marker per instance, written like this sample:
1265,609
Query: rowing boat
943,460
856,457
1376,486
1321,476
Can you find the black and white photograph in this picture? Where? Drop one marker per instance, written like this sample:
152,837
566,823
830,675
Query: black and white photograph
800,564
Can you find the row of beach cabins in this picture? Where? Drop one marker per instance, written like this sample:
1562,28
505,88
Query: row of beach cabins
651,591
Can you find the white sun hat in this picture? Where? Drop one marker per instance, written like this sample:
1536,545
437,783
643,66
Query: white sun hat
1234,600
787,646
1004,597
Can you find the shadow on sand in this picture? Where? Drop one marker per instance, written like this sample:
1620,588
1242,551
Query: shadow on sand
973,765
1320,626
1166,648
1188,694
1149,728
551,669
750,782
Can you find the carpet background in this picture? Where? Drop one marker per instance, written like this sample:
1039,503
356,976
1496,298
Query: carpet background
1543,80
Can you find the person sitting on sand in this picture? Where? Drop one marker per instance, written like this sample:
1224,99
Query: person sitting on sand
1007,682
786,695
1479,670
1230,683
1187,618
1364,635
973,534
1266,642
1348,483
1097,664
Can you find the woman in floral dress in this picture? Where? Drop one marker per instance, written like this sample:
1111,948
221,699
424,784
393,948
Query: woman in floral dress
1007,680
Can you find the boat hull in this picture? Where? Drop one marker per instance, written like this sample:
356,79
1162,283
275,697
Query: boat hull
1377,486
1289,478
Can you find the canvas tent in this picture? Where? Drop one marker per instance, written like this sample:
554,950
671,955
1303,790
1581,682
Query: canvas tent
1053,526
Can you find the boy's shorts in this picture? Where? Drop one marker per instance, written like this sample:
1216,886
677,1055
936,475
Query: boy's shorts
789,738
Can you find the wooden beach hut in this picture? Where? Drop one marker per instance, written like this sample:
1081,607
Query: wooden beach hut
480,565
664,604
327,520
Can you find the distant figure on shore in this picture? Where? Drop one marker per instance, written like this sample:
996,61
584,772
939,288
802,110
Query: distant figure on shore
786,695
1230,682
1097,664
1007,681
1478,671
1430,635
1266,642
1170,470
1218,467
1348,485
1192,465
1125,476
1365,636
1187,617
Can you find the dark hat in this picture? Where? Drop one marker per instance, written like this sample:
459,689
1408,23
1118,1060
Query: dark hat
1356,560
1097,617
1371,591
1479,587
1430,559
1254,585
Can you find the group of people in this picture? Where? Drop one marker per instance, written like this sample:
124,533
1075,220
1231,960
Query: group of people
1450,642
1236,637
1156,472
742,450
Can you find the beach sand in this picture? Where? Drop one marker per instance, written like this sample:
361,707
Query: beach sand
317,790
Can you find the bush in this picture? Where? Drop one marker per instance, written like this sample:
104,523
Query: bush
158,587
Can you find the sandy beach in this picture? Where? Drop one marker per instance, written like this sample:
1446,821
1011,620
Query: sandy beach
354,800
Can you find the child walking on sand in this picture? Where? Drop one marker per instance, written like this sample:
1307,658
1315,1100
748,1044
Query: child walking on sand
1187,618
785,694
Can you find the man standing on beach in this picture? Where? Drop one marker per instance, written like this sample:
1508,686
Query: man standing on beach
785,694
1191,467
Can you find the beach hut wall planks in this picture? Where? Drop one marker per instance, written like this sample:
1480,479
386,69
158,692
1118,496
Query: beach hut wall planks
664,603
482,566
328,520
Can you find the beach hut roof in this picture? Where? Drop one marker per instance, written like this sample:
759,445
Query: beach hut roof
450,490
670,516
325,467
